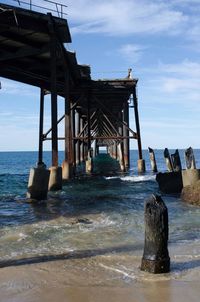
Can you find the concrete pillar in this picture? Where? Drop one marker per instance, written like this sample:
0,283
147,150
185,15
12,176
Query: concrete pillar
38,183
190,176
89,164
55,180
121,157
141,165
67,170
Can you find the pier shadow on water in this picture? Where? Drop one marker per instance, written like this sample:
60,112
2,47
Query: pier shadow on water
81,254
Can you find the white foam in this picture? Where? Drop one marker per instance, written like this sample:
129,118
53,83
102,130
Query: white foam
119,271
136,178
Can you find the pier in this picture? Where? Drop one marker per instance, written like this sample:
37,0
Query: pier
97,112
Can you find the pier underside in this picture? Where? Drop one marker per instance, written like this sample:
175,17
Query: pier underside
32,51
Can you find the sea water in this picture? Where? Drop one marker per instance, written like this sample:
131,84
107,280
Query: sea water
98,215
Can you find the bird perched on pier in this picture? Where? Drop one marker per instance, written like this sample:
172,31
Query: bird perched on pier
129,74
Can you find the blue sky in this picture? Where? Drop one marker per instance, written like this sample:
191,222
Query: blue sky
158,39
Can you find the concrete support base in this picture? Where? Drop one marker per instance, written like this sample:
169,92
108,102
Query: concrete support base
122,167
141,165
190,176
67,170
170,182
55,180
89,165
38,183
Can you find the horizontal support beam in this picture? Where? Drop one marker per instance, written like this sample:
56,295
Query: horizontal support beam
95,137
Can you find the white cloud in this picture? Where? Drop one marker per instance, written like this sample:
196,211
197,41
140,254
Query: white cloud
116,17
131,52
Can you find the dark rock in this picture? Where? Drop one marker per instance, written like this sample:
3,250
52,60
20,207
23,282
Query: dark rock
82,220
170,182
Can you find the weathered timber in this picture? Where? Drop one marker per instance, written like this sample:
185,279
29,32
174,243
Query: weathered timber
176,161
152,160
190,159
156,257
168,160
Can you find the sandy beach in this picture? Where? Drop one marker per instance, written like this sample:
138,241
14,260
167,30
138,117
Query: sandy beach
103,278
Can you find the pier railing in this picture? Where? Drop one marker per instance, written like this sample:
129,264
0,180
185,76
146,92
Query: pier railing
54,7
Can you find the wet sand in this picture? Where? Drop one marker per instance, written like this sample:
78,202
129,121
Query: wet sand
101,278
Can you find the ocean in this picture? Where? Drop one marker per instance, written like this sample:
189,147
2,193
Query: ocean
99,218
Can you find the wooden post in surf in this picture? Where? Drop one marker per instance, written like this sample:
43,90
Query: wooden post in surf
176,162
152,160
156,257
190,159
168,160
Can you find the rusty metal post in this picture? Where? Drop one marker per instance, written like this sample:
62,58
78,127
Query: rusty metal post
40,152
81,142
89,161
120,146
88,121
54,101
126,133
77,118
68,162
73,135
141,162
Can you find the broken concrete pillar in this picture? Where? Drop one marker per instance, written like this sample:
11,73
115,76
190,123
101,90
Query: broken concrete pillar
156,257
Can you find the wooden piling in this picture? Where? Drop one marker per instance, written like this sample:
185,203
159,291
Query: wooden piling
190,159
152,160
176,161
156,257
168,160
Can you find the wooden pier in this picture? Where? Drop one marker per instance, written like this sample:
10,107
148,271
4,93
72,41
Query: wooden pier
96,112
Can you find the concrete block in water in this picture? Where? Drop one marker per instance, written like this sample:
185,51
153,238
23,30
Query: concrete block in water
191,194
190,176
38,183
170,182
156,257
141,165
55,180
